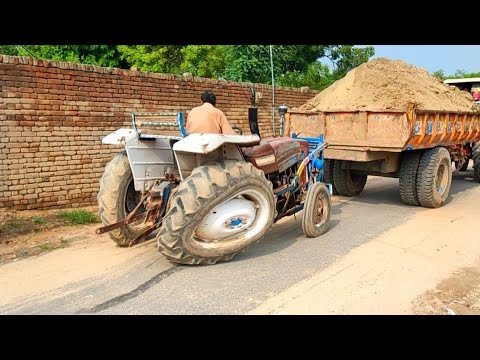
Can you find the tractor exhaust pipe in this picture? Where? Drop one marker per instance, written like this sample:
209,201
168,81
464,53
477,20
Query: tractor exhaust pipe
253,121
253,113
282,110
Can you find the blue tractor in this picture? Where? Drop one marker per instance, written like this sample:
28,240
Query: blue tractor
211,196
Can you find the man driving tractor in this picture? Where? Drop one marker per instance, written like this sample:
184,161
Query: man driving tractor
207,119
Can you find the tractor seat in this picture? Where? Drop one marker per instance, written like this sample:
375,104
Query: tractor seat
276,154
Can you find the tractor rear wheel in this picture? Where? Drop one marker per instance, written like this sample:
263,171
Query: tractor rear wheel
217,212
117,198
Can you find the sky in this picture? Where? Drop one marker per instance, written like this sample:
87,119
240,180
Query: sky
449,58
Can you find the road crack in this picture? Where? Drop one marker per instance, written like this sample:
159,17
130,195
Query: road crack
132,294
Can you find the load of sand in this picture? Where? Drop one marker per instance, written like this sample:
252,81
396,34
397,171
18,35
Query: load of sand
383,84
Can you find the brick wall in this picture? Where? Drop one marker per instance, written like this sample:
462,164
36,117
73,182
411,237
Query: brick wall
53,116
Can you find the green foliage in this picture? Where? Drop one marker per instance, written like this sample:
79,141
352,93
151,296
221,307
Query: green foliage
9,50
204,60
155,58
252,62
101,55
317,76
47,247
200,60
459,74
38,220
347,57
13,224
294,65
439,74
78,217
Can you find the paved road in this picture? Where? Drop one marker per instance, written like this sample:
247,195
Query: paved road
141,281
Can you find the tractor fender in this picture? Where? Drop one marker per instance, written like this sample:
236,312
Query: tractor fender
207,143
119,137
199,149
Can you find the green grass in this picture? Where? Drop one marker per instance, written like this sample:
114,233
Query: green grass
20,226
47,247
78,217
13,224
38,220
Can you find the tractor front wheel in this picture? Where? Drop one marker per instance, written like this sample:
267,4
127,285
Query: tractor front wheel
316,211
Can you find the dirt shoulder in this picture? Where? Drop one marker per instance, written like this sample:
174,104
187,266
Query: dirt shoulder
457,295
27,233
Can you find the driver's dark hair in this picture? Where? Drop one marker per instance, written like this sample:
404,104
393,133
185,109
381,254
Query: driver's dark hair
209,97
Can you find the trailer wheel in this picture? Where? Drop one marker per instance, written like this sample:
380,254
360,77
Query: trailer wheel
328,175
316,212
117,198
476,161
217,212
408,177
434,177
347,184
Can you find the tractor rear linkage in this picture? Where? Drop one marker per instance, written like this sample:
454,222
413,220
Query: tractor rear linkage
153,216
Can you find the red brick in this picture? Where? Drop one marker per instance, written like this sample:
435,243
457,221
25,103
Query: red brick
60,113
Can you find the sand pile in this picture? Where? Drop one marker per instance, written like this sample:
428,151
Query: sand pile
382,84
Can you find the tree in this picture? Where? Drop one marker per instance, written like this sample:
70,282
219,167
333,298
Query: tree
204,60
252,62
9,50
155,58
459,74
294,65
317,77
439,74
346,57
101,55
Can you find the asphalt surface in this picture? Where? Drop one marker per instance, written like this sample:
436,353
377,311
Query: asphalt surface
149,284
